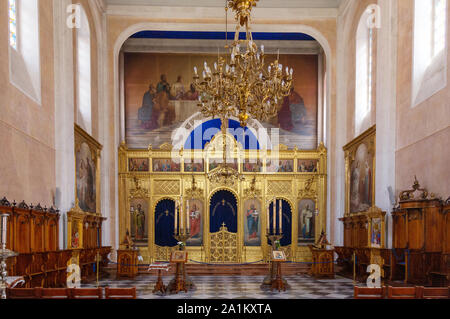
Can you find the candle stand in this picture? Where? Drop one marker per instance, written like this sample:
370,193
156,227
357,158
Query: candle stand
4,255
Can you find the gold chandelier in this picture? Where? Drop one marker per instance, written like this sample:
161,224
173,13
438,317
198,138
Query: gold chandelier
242,87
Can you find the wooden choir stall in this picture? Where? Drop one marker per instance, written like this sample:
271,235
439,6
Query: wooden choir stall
364,238
420,238
33,233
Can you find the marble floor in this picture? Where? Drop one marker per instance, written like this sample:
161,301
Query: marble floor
240,287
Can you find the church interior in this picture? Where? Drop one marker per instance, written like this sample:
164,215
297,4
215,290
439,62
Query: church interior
224,149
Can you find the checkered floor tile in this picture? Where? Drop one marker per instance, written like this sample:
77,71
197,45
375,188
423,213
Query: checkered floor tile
241,287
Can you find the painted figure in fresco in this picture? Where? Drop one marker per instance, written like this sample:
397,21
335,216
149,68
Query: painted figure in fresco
178,89
252,222
140,222
143,167
163,85
163,112
195,220
292,113
192,94
307,215
298,110
145,113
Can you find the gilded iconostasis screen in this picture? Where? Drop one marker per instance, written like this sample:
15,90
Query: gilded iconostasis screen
159,97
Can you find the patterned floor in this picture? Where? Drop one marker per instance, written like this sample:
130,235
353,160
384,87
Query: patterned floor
242,287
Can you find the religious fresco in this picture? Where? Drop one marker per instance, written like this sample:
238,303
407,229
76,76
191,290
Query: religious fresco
280,166
252,166
159,97
252,222
196,222
139,221
166,165
138,164
194,166
307,166
86,178
306,220
230,162
361,188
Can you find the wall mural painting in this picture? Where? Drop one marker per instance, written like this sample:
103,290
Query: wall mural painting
252,222
307,166
231,162
139,221
194,165
196,222
252,166
138,164
280,166
159,97
306,221
166,165
361,171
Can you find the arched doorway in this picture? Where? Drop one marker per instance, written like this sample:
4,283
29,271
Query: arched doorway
223,226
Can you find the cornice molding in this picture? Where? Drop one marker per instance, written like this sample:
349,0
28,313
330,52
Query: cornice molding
214,13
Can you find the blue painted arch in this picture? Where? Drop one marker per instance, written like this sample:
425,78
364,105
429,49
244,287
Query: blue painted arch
203,134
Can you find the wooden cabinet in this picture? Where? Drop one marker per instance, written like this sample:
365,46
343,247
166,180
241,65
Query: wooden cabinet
419,225
127,263
323,263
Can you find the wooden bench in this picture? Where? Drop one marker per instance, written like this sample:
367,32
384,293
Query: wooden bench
403,292
21,293
120,293
369,293
53,293
434,293
86,293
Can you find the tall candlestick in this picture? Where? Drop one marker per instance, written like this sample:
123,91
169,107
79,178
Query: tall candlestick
274,214
188,216
280,216
176,220
181,215
4,229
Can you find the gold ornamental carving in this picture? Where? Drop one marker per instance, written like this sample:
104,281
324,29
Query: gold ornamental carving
309,189
194,191
223,246
166,187
252,191
138,191
279,187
